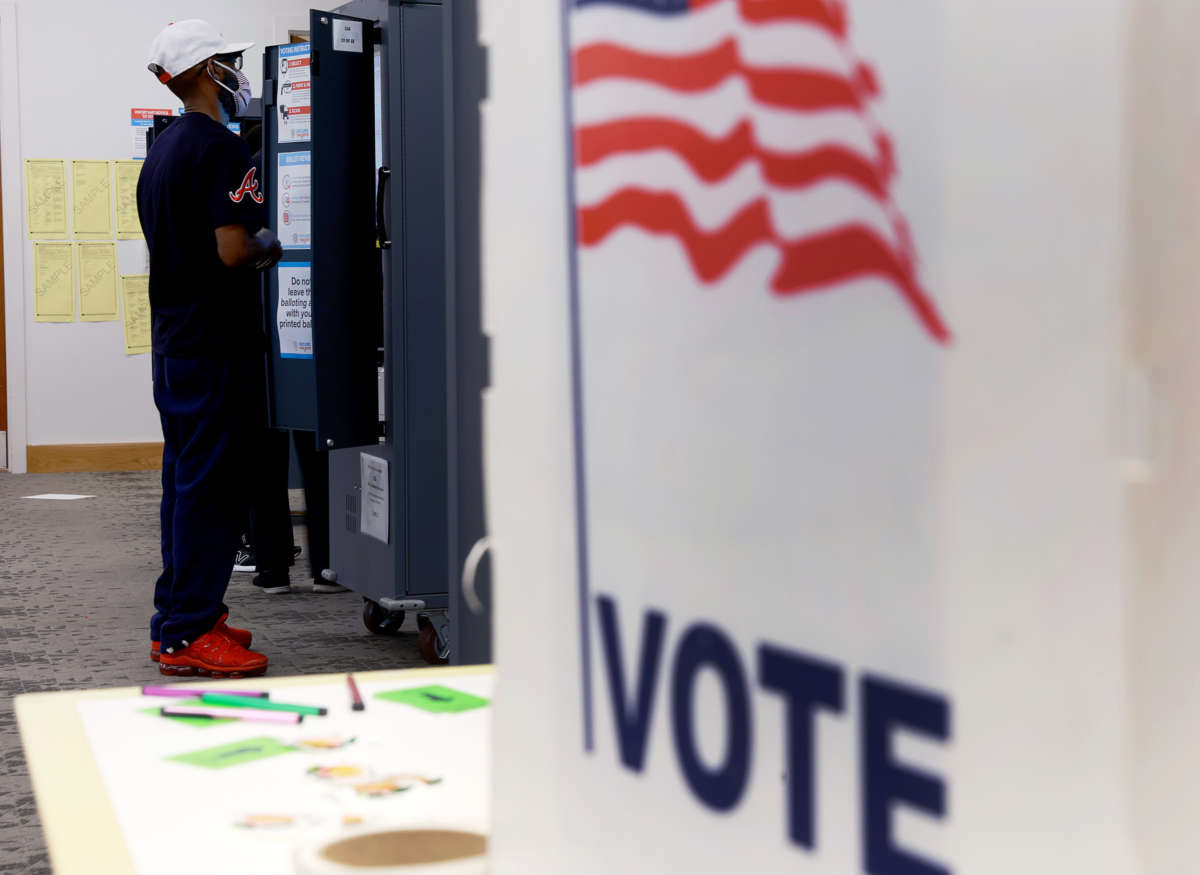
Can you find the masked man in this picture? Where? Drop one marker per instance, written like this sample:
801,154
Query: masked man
201,209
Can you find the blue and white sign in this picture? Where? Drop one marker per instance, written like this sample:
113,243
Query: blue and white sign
293,313
293,199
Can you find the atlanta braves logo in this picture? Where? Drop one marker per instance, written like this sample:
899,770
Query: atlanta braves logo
249,186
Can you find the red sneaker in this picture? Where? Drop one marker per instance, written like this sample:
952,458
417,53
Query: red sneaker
241,636
214,654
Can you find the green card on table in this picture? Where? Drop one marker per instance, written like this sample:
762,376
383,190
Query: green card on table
435,698
233,754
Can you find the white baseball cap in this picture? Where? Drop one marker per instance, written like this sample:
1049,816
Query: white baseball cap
182,45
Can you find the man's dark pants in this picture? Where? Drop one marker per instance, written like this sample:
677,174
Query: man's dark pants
203,405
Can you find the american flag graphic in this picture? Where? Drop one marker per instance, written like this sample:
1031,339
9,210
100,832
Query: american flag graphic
725,125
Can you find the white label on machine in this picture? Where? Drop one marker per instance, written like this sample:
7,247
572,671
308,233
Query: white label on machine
293,199
347,36
373,519
293,102
293,315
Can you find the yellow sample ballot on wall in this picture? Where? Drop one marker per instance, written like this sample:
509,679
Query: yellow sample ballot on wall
53,282
46,198
135,290
128,226
98,282
91,199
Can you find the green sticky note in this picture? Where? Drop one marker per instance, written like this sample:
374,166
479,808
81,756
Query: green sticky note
438,699
184,718
234,754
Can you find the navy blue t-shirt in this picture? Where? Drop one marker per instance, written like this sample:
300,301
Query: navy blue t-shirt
197,178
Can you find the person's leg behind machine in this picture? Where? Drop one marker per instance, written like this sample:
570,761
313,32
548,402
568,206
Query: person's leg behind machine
314,466
270,515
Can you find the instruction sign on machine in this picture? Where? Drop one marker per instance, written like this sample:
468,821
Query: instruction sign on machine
293,316
294,104
294,195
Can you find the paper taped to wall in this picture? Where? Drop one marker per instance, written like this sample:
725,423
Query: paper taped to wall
135,290
53,282
91,199
128,225
98,282
46,198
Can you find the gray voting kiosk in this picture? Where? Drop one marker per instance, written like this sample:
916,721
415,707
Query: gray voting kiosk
371,168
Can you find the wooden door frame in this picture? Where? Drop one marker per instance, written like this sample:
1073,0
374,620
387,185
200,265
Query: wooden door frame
11,200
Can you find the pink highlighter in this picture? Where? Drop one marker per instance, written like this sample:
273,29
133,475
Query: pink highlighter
193,693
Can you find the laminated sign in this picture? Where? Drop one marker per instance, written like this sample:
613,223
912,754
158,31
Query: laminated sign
293,313
294,199
293,100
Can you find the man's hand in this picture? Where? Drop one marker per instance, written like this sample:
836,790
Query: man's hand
236,248
272,249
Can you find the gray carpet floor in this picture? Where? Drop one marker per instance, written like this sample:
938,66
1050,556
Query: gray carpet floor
76,581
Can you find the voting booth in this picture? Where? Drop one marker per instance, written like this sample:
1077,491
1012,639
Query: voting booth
804,461
373,349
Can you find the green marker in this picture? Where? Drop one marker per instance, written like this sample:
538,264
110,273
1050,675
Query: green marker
261,704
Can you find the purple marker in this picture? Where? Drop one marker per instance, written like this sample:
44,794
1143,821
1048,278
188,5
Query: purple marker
193,693
249,715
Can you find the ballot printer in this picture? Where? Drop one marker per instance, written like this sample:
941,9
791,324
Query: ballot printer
371,175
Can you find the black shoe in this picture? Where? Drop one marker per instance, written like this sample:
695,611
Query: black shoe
244,560
273,582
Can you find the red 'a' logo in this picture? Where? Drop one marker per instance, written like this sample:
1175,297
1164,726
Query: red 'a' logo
249,186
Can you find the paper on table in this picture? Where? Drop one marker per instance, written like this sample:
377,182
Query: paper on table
46,197
234,753
98,282
53,282
91,198
128,225
135,290
435,698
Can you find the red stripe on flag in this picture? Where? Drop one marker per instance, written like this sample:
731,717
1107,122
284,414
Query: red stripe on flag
781,86
713,159
820,12
807,264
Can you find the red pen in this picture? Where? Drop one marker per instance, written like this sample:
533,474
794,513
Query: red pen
356,702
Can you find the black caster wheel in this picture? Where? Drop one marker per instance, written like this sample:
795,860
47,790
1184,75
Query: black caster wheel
432,648
379,620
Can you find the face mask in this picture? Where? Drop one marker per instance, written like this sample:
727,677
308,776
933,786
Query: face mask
240,98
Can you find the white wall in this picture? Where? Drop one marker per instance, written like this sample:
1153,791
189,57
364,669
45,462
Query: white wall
81,66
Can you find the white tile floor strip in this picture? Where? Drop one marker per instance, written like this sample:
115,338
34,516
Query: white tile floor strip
59,496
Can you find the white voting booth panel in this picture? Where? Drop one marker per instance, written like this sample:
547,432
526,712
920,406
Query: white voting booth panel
809,549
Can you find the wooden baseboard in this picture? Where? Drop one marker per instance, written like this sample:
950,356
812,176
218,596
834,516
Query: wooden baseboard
60,458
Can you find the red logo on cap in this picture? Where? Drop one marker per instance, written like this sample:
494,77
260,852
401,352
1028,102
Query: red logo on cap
249,186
